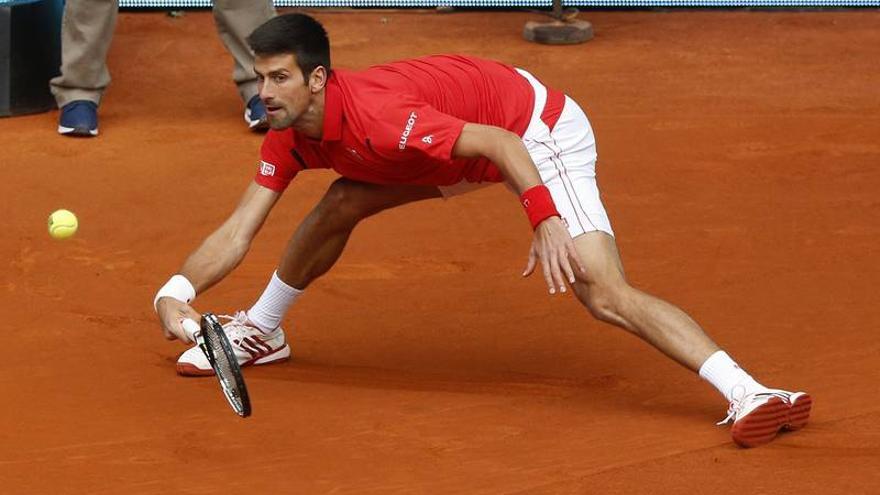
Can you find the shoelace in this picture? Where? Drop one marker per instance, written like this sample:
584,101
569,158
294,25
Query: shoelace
738,404
234,323
239,318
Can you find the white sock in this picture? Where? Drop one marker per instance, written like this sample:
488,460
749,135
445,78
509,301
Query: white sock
269,309
723,372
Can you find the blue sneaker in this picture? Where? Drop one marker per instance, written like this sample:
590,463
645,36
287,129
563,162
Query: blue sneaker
255,115
79,118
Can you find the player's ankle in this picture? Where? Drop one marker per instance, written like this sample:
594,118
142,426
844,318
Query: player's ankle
262,326
728,377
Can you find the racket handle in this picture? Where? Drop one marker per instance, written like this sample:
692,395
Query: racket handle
191,328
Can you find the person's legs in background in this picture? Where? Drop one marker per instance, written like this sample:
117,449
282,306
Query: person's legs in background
86,31
235,20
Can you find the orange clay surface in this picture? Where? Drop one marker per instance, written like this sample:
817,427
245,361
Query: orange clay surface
739,163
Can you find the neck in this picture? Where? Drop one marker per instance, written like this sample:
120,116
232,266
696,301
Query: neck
311,123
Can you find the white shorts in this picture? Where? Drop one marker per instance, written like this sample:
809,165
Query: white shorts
566,161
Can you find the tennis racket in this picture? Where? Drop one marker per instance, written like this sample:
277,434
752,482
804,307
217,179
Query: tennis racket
210,338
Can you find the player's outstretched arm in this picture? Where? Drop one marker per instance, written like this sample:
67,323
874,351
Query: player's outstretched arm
215,258
552,246
224,249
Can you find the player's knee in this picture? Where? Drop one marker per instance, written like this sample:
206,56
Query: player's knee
345,202
603,307
606,302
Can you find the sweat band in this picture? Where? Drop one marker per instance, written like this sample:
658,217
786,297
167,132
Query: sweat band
538,204
178,287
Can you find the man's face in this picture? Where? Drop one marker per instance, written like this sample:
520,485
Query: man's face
282,89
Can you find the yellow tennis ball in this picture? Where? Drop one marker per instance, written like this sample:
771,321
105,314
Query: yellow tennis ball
62,224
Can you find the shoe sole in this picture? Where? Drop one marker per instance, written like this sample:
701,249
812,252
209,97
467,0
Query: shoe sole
189,369
799,412
761,425
77,131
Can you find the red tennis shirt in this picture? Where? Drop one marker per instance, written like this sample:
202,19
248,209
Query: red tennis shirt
397,123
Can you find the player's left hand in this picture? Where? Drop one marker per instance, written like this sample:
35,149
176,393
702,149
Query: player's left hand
553,245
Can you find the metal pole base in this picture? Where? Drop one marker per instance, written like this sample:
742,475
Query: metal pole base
558,32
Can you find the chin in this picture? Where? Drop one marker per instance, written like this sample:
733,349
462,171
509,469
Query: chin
279,124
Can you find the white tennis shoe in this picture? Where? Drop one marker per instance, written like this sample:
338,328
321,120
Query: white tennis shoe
250,344
759,417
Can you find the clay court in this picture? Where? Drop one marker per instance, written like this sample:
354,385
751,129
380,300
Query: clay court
738,159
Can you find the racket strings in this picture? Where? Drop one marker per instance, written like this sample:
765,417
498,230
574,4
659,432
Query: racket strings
225,364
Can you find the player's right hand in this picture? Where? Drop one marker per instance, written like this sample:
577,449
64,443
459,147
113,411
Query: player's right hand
171,314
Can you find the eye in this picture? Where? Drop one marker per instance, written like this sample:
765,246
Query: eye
279,78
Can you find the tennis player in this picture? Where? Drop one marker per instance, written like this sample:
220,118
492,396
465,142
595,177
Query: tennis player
429,128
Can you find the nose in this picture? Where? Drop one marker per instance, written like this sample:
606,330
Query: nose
265,91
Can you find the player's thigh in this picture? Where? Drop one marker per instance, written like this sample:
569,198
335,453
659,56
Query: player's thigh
566,161
365,199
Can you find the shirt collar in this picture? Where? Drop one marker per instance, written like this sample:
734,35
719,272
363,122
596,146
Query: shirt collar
332,110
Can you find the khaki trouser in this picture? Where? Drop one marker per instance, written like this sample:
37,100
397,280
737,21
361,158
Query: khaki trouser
87,29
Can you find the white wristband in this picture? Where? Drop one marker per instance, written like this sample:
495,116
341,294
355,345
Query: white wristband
178,287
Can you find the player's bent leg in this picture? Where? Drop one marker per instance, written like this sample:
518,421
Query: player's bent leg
319,240
314,248
603,289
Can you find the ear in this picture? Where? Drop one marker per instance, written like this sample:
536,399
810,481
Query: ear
318,79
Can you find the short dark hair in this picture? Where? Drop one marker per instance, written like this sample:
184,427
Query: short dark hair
297,34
